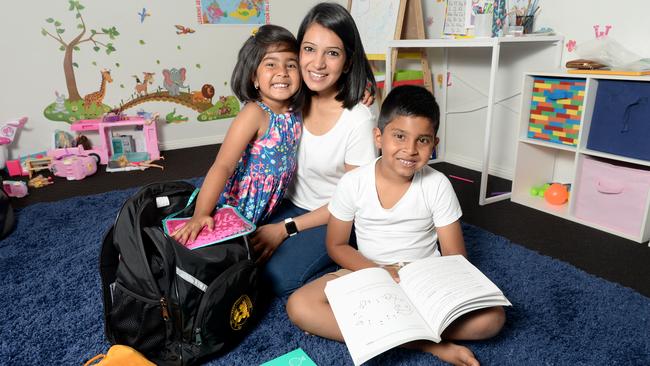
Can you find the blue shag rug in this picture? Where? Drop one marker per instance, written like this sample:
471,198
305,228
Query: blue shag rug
51,306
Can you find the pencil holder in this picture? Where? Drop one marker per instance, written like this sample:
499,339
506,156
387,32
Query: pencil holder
483,25
525,21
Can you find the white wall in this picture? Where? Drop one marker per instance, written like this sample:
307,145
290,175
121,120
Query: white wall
32,65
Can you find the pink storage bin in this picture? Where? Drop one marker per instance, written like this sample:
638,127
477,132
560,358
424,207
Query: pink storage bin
612,196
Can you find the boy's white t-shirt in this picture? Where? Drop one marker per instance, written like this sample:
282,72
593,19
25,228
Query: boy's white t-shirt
404,233
321,158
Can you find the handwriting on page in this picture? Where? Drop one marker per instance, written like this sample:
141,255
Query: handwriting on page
391,306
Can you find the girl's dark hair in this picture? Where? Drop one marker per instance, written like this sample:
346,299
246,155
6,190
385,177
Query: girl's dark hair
269,37
352,83
409,100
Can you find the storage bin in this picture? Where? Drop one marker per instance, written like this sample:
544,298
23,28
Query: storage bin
621,120
555,109
612,196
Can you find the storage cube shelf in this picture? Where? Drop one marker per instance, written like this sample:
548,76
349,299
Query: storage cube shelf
555,109
610,186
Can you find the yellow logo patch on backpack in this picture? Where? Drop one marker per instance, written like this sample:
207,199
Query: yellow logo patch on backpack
240,312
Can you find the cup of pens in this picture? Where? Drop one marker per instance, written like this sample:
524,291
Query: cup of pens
483,21
526,21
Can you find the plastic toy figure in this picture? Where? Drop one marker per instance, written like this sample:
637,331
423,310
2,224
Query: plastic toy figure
7,134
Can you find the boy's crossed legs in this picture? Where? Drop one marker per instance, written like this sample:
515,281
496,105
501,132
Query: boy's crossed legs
309,309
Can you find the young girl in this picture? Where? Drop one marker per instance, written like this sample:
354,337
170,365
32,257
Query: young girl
257,159
337,137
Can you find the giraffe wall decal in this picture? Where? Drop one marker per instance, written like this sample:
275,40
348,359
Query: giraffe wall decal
98,97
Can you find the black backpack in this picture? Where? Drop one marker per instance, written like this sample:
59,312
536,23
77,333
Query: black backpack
7,219
176,306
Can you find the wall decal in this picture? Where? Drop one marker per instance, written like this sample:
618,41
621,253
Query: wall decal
172,117
143,14
175,90
232,11
75,107
602,34
181,29
571,45
141,86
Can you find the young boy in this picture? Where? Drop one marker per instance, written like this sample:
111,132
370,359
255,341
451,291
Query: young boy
401,208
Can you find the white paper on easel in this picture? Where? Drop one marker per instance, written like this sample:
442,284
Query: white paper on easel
376,21
458,17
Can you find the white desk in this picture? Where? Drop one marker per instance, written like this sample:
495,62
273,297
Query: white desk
493,43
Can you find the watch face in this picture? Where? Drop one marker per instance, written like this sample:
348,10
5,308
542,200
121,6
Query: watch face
291,227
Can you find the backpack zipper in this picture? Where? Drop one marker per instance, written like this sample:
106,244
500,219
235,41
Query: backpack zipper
164,309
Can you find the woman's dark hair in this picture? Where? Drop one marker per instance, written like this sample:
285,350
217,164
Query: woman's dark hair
269,37
352,83
409,100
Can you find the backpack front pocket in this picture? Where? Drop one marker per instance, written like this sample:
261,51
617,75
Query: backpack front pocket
228,307
137,321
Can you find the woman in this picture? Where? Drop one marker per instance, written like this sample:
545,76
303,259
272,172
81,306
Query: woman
337,137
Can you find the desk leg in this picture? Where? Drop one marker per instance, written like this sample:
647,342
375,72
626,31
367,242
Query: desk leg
388,78
483,199
441,149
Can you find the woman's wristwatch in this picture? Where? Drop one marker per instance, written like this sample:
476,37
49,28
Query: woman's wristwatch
290,226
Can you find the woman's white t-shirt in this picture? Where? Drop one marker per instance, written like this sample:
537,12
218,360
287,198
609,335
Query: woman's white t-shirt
322,159
405,232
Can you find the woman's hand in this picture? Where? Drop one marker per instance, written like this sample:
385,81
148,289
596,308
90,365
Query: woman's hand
267,239
192,228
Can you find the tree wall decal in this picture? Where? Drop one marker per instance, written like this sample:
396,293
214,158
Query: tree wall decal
91,36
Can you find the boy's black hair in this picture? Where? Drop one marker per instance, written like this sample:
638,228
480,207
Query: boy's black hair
409,100
357,73
269,37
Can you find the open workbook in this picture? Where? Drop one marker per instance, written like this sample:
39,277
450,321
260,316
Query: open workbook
376,314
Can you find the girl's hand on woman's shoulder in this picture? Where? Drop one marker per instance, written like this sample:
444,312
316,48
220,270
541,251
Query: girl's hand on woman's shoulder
368,98
189,231
267,239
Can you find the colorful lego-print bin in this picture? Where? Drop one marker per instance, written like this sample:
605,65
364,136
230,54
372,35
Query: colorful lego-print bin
555,110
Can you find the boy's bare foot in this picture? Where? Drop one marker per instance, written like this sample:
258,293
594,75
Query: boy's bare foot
451,353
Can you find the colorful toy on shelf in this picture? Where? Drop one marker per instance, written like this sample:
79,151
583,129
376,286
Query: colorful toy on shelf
37,164
122,164
40,181
556,194
15,188
553,193
114,116
146,139
19,167
74,167
7,134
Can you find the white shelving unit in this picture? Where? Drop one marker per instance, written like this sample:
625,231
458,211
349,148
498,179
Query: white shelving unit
539,162
494,44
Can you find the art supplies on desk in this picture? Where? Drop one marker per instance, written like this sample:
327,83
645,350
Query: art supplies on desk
228,224
375,313
499,17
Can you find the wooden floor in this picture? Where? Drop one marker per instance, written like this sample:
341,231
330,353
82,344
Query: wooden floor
604,255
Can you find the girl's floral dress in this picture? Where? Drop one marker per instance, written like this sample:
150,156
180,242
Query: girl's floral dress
266,168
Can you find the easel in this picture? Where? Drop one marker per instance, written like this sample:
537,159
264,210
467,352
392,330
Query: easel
410,25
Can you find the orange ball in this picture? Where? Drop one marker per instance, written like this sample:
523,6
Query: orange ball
556,194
